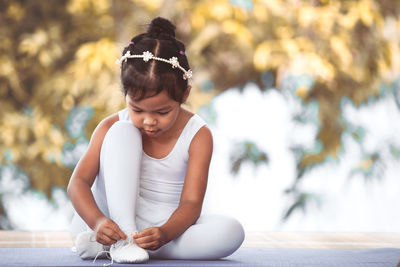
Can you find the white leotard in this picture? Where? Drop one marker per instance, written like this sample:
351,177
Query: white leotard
161,180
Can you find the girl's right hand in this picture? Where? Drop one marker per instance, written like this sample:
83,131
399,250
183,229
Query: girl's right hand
108,232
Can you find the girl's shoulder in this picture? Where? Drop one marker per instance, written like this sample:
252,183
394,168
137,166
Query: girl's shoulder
187,115
201,145
199,133
190,116
192,122
103,127
107,122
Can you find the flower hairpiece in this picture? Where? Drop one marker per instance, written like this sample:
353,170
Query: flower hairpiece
146,56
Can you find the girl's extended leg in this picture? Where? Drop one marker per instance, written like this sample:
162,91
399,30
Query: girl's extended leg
211,237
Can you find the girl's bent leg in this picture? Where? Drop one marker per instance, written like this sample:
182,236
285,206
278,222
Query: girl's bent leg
121,155
115,191
120,161
211,237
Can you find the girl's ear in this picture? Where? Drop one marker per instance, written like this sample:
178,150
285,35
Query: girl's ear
186,94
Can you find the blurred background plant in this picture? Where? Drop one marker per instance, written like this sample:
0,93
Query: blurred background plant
58,78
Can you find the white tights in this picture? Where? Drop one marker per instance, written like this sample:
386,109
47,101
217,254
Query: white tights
116,194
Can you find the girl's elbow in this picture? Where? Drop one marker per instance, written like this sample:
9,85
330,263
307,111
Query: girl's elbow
196,207
70,189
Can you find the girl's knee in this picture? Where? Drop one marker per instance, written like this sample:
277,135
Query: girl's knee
122,128
228,231
233,231
123,132
212,237
223,222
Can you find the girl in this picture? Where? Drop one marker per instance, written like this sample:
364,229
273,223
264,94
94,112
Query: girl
139,187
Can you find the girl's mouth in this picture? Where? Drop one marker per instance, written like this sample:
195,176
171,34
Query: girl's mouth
150,132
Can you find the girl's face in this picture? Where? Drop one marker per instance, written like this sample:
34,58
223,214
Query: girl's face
153,115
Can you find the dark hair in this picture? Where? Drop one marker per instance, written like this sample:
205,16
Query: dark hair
141,79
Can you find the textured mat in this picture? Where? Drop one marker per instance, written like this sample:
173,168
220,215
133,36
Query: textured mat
276,257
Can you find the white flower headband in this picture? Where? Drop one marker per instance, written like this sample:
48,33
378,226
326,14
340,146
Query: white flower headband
187,74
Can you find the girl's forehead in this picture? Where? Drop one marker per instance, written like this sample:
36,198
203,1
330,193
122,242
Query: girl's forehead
153,101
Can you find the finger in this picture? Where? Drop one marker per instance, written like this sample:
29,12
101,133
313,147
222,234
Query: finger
121,234
118,231
106,243
140,234
145,232
105,240
111,234
145,239
150,245
118,234
101,241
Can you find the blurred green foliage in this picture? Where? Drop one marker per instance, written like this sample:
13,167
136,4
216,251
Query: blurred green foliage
57,55
247,151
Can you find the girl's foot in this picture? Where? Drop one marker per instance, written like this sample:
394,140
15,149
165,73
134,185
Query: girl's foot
128,252
87,247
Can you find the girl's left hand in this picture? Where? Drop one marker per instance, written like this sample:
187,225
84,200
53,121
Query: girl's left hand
151,238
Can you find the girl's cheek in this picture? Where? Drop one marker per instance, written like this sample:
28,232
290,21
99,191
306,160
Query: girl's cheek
136,121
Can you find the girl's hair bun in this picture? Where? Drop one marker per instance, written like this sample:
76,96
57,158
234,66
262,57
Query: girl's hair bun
161,26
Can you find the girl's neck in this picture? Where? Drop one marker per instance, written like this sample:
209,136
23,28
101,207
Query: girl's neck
175,131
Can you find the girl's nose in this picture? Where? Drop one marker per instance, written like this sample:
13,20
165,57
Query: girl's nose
149,121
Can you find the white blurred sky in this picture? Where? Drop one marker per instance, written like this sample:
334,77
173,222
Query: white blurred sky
256,196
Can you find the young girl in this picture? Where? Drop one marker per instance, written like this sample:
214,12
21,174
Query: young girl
139,187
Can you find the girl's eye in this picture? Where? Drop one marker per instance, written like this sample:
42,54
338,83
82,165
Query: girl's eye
163,113
137,111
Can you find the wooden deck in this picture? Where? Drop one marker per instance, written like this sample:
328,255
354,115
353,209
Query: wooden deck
253,239
322,240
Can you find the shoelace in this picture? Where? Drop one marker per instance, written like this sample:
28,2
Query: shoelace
108,254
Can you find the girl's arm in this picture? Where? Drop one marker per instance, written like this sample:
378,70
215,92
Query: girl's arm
82,179
192,196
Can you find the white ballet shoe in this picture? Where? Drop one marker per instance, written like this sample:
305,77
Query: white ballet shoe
128,252
87,247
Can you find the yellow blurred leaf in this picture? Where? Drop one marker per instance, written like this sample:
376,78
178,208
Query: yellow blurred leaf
365,12
68,102
41,127
312,64
303,91
347,21
151,5
261,56
239,30
306,16
80,6
32,43
240,14
56,137
260,12
341,50
220,10
290,46
15,11
7,135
